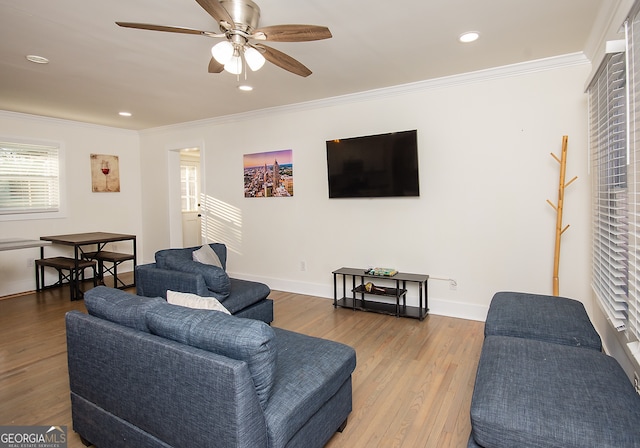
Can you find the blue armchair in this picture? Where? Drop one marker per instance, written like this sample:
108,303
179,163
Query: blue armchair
175,270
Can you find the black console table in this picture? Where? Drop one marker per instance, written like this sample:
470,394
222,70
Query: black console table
361,299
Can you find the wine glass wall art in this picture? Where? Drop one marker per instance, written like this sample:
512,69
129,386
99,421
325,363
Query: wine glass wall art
105,173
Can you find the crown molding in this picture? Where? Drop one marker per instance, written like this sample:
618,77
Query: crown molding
61,121
507,71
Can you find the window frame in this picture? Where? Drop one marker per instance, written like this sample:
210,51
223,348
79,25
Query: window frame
608,124
189,184
61,212
627,322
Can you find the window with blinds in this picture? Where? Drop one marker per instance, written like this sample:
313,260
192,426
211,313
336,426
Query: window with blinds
29,178
633,58
608,130
614,128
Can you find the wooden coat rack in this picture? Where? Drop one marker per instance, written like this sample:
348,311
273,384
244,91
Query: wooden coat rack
558,208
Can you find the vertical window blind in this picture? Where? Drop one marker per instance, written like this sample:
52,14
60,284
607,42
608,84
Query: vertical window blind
633,70
607,128
614,131
29,178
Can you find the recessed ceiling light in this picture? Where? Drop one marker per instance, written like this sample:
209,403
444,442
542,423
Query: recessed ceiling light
245,88
467,37
124,114
37,59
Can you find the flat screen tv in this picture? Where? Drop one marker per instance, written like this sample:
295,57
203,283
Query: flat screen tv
374,166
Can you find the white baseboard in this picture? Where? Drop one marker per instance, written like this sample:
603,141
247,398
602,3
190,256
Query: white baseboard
460,310
437,306
18,287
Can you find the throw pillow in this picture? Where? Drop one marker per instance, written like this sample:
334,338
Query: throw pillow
206,255
195,301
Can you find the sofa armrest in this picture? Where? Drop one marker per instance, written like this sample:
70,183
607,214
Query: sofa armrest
154,282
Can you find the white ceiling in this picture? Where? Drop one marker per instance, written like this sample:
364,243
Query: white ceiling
97,69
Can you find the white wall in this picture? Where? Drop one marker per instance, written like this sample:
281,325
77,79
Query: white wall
484,139
86,211
485,170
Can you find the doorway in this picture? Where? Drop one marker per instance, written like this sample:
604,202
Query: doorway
186,210
190,197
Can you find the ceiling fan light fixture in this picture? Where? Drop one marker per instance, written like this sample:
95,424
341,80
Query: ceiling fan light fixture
254,58
222,52
245,88
234,66
239,26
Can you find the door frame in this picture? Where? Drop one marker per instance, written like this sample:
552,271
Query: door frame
175,203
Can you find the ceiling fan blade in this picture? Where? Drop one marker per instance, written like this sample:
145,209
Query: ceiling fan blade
292,33
171,29
283,61
215,66
217,11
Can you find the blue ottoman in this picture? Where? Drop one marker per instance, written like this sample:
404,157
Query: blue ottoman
546,318
530,393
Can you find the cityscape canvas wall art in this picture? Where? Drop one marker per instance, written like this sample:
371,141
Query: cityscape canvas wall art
105,173
268,174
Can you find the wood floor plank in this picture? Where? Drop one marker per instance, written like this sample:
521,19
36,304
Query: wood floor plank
412,385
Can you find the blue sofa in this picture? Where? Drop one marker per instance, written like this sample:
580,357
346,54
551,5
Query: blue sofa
543,381
176,270
145,373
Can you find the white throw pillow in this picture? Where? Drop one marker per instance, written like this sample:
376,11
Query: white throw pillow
206,255
194,301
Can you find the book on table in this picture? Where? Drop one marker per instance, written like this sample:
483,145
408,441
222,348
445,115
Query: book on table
382,272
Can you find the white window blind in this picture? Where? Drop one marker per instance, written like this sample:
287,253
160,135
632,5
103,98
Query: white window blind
29,178
633,58
615,163
607,128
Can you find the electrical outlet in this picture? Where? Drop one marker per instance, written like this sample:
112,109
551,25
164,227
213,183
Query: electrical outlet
453,285
303,266
30,262
636,382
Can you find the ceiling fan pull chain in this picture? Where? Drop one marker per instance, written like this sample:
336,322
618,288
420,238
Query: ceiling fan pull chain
244,64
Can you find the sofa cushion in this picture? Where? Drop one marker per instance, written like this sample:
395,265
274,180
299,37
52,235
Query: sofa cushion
187,254
547,318
245,293
206,255
195,301
309,372
247,340
530,393
216,279
120,307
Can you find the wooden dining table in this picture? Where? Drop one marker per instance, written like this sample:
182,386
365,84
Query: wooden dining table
83,243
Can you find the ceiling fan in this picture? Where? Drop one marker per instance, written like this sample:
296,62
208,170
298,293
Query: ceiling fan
238,21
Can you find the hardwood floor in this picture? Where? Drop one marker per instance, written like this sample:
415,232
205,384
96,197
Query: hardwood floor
413,381
411,388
